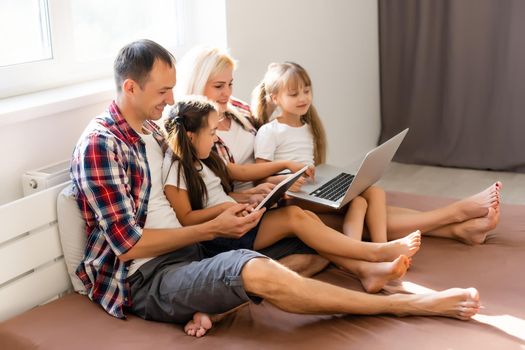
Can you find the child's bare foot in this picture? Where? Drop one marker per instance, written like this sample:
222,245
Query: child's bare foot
478,205
474,231
199,325
374,276
407,246
455,302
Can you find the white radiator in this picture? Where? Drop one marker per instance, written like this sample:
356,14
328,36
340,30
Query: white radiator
45,177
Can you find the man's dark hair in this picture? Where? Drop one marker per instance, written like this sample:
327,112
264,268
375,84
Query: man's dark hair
135,61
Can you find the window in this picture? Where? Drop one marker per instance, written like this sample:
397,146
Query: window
53,43
29,19
93,20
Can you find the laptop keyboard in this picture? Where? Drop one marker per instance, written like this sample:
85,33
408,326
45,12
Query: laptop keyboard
334,189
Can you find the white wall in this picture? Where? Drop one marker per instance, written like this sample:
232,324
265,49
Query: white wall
38,142
335,40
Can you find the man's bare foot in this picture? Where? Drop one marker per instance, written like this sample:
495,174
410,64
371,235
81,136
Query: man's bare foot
199,325
374,276
474,231
202,322
478,205
408,246
455,302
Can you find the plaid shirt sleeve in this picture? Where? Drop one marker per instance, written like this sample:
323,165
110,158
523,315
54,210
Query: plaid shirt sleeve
107,190
223,151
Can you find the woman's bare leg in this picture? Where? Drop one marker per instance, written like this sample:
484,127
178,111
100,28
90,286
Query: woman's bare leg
473,231
402,220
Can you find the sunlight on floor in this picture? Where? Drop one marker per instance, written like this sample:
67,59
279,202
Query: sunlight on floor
506,323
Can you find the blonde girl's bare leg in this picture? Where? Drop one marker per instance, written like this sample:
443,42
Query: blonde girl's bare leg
354,218
376,215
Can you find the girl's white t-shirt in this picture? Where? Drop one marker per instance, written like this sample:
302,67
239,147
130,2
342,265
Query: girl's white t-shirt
278,141
240,143
216,194
160,214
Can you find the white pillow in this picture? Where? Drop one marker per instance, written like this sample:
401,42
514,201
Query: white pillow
72,229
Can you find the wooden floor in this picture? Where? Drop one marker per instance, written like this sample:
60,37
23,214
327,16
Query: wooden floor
451,182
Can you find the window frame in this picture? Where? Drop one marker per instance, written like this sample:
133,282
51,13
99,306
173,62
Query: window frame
62,69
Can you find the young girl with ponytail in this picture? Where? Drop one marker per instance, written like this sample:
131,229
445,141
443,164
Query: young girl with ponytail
297,134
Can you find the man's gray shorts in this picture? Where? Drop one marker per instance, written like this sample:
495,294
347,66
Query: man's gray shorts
172,287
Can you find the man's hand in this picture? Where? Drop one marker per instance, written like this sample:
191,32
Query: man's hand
237,220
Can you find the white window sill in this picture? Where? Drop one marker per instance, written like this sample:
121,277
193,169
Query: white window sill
49,102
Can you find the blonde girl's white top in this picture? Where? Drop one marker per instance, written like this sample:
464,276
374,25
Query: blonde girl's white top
278,141
216,194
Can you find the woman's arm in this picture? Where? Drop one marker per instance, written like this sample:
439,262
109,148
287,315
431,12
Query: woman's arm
247,198
180,202
260,170
296,187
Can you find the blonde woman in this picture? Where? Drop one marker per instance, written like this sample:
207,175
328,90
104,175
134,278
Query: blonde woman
208,72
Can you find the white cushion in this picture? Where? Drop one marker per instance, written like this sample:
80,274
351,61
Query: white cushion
72,228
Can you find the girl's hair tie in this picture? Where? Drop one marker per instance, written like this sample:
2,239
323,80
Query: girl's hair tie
170,123
179,120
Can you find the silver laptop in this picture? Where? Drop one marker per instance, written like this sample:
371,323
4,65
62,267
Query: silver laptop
334,187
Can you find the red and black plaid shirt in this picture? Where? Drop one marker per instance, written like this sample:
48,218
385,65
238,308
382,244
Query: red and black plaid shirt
112,180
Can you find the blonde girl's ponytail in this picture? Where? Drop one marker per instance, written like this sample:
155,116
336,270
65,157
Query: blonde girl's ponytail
260,104
312,117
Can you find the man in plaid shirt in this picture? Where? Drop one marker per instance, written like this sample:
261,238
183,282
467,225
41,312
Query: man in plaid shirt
139,258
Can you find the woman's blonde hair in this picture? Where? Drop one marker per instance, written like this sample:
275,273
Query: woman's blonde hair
292,76
200,65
